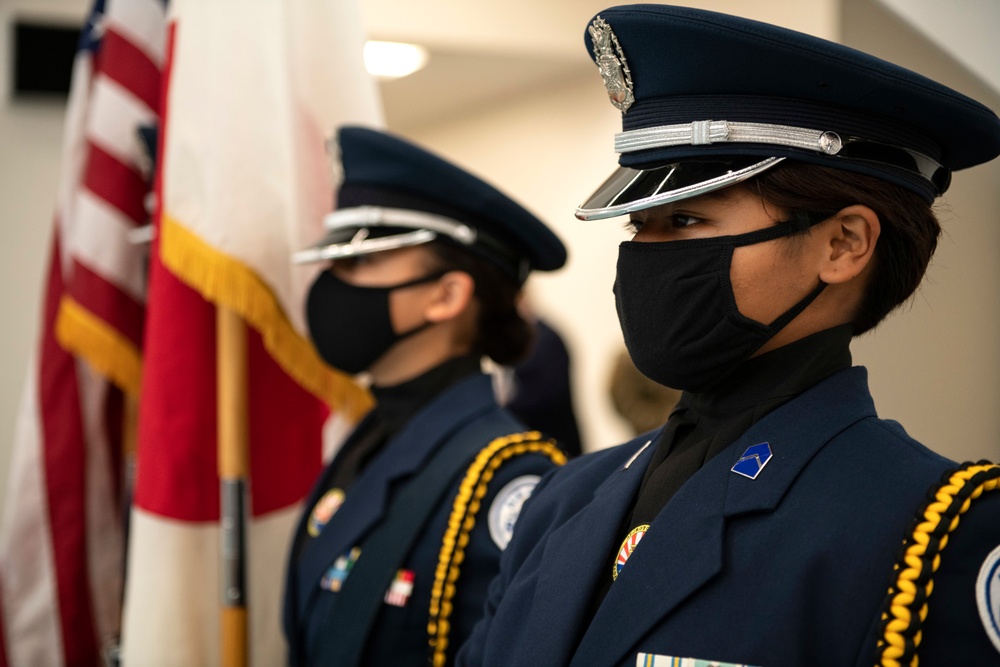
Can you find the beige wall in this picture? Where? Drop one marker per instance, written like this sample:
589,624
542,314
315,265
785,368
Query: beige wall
30,151
551,151
936,365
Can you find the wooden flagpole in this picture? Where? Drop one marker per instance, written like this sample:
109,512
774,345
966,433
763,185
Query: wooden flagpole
234,470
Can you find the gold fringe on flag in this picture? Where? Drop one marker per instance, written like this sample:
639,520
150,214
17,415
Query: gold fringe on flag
108,352
228,282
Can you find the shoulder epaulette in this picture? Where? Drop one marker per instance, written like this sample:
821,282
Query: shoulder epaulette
462,520
906,604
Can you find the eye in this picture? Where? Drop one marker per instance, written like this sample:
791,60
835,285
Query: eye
349,264
633,226
680,220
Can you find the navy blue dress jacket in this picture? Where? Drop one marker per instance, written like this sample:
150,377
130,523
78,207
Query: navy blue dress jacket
399,635
785,570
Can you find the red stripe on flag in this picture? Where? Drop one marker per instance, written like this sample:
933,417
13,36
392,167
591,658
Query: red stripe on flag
64,452
108,302
282,411
177,432
130,67
178,421
116,183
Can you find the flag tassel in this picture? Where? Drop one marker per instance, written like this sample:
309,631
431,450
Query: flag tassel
234,466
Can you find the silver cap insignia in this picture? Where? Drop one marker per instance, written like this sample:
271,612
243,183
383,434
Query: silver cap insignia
611,62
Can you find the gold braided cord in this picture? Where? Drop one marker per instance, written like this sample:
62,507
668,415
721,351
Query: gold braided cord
908,590
462,520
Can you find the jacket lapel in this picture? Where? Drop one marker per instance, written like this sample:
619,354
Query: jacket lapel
575,556
292,592
684,546
401,456
681,551
796,432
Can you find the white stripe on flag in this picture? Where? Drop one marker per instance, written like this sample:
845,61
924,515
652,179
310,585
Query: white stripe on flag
27,567
99,238
173,565
115,114
141,21
104,532
74,151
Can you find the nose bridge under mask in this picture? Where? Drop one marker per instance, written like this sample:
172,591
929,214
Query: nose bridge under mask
678,313
351,325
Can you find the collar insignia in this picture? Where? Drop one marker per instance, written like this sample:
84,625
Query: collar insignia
753,460
611,63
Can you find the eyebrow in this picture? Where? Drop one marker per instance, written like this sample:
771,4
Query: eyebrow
716,195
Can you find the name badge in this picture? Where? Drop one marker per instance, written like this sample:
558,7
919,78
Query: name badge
653,660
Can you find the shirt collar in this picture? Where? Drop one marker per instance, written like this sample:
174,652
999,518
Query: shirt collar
396,404
775,376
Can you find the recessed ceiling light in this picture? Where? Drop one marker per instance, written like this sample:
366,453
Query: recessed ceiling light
392,60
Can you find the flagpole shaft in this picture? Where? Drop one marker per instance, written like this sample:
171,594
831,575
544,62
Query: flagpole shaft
234,467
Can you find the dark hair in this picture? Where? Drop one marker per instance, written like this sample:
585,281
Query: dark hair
501,333
906,242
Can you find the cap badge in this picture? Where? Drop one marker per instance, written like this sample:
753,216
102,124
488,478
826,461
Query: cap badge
611,63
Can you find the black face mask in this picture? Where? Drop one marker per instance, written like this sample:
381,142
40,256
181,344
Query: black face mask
350,325
677,310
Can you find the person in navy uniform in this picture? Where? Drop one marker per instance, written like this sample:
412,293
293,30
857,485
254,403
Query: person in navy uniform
404,528
779,189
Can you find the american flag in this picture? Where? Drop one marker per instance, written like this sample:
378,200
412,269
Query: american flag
400,589
61,541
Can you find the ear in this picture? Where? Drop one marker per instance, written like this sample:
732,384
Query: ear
454,291
849,243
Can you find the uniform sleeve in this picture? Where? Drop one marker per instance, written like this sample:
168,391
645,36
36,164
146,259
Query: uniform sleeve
961,627
472,651
504,496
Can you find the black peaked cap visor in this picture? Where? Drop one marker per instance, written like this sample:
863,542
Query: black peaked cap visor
629,189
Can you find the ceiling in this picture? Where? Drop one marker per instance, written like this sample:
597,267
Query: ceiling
458,82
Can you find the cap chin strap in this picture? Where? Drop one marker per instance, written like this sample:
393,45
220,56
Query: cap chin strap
352,249
379,216
708,132
703,132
